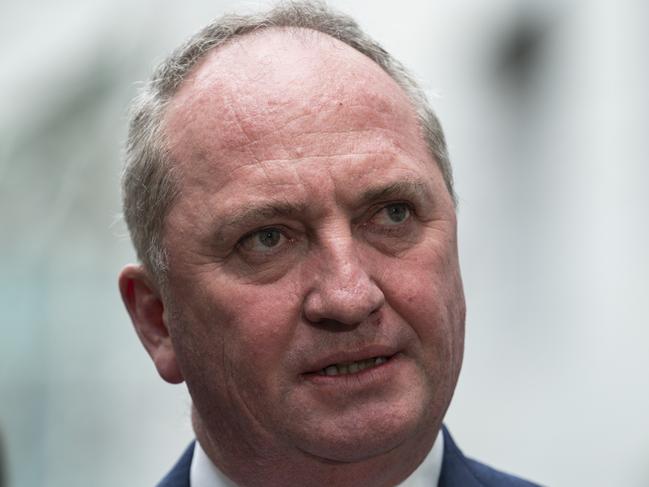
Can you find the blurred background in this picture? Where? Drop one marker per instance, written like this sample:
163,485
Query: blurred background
546,109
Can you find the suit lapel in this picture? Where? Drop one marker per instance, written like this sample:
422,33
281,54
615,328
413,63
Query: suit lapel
178,476
455,470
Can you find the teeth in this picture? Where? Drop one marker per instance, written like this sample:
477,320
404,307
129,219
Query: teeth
352,368
331,370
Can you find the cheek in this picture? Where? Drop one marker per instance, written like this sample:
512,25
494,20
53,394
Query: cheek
427,292
234,344
257,325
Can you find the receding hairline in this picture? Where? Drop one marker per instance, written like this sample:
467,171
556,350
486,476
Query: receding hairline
295,33
292,33
313,41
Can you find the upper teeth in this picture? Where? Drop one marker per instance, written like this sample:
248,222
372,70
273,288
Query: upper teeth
353,367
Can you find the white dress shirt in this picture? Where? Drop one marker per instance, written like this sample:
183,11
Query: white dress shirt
203,473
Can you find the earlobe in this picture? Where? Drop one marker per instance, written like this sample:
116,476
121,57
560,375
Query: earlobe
146,308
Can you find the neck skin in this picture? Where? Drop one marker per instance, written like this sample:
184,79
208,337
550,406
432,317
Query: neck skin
250,465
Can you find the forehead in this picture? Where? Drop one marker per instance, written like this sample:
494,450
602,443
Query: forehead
259,92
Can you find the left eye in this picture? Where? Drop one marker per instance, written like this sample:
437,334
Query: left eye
264,240
393,214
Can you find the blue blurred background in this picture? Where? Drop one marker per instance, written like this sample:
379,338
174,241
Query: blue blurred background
546,109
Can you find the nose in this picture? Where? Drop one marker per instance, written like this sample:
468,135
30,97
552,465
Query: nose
343,290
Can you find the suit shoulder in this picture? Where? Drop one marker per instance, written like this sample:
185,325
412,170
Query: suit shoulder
460,471
491,477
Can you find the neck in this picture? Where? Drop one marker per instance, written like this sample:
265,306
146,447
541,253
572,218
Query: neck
250,465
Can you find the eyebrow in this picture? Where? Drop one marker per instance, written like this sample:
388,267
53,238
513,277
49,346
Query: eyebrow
409,189
254,214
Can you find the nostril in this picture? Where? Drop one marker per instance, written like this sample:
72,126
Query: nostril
333,325
338,311
374,319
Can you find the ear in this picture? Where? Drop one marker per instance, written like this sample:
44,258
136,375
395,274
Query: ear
144,304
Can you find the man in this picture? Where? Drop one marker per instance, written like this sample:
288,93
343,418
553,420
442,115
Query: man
289,196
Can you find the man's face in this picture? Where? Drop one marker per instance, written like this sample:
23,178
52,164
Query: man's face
314,297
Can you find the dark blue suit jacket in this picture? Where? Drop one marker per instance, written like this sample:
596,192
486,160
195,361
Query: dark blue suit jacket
457,471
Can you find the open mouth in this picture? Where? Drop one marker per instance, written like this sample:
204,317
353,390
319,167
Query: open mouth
352,367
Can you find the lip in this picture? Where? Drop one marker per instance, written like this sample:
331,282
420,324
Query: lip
378,378
349,356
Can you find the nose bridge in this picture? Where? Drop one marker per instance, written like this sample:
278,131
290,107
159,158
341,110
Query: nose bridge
343,289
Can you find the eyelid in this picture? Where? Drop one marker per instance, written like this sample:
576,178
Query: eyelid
382,206
249,235
284,242
385,228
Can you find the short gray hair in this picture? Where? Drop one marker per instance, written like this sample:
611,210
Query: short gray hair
148,184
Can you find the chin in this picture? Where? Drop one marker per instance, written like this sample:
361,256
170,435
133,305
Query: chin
349,439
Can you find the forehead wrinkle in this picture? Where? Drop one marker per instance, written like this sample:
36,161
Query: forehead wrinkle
291,130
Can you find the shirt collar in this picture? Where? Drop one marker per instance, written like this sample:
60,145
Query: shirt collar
203,473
